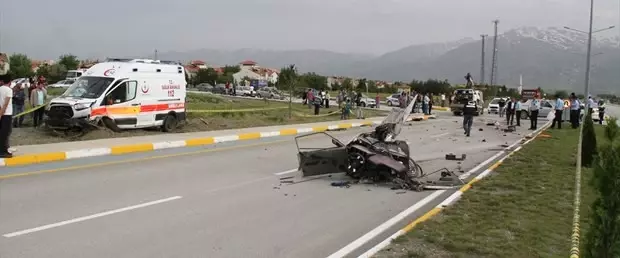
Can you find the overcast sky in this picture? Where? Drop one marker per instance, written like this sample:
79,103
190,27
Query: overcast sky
46,29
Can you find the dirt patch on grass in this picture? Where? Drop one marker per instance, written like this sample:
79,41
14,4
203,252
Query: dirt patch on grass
524,210
197,121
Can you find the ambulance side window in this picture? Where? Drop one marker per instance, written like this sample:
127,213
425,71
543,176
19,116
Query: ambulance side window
126,91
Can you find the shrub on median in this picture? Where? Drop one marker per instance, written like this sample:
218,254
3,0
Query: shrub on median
588,148
603,237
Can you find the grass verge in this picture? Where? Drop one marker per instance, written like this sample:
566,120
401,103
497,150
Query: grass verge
523,209
202,121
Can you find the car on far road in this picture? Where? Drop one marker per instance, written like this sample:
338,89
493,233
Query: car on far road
204,87
270,93
368,102
393,100
493,107
62,84
245,91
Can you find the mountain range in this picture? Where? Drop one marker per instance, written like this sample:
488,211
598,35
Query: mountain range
550,58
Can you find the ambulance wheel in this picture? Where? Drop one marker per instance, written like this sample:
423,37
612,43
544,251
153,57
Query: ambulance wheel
170,123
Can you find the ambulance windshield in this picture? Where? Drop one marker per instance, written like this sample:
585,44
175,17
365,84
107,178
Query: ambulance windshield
88,87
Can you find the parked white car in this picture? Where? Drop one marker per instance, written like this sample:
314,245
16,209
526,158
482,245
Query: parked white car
63,84
368,102
393,100
493,107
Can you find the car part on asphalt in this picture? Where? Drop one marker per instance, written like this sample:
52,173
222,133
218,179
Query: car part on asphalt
375,156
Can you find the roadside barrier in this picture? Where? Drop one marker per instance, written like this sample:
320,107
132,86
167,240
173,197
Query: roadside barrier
29,111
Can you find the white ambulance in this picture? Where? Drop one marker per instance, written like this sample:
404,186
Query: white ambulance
123,94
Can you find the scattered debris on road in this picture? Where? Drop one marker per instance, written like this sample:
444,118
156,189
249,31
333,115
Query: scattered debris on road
452,156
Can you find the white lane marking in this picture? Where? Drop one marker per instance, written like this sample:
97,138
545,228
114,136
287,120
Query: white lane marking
286,172
76,154
486,162
439,135
227,138
333,127
93,216
269,134
168,145
2,163
386,225
304,130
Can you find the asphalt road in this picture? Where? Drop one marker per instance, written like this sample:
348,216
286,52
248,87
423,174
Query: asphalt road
225,201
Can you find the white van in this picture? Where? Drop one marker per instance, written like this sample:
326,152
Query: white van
74,74
123,94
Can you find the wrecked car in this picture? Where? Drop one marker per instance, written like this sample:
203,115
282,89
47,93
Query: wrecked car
374,155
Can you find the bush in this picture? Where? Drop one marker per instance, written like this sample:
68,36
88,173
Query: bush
603,237
588,148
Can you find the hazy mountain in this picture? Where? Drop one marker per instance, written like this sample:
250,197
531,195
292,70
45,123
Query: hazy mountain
550,58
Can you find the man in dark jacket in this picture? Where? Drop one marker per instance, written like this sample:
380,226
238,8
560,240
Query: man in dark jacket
469,109
19,99
510,112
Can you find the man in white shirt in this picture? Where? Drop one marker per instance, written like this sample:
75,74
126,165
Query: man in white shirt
6,119
443,100
534,108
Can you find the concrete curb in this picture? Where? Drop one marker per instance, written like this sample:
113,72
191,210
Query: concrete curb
28,159
457,195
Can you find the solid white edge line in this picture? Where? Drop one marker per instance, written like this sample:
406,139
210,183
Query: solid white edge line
453,197
286,172
2,164
386,225
93,216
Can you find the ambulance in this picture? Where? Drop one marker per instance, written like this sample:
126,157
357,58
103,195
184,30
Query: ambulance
123,94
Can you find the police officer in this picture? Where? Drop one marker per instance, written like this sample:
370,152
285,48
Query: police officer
534,108
601,111
469,109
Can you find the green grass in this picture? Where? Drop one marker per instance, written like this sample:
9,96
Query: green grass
523,209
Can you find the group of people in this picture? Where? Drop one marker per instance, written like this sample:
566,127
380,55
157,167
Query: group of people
12,104
575,107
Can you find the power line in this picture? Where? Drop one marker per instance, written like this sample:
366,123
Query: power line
483,36
494,61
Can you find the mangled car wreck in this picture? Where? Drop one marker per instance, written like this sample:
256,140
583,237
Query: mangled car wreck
376,156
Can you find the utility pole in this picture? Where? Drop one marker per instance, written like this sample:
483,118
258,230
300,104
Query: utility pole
587,93
484,37
494,61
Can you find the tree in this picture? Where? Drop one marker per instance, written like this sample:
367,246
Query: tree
288,77
561,93
52,73
372,86
233,69
347,84
70,62
588,148
21,66
208,75
603,237
314,80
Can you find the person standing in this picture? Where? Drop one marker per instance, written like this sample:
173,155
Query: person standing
37,99
534,108
575,108
502,105
443,100
6,118
601,112
327,96
377,100
425,101
430,103
309,98
469,109
510,112
559,109
518,112
19,99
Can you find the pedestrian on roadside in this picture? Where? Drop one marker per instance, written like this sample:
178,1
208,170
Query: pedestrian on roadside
310,98
501,104
377,100
559,109
402,100
346,109
327,96
534,108
469,109
317,104
37,100
430,103
601,112
443,100
425,103
518,112
19,99
591,104
6,117
575,109
510,111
